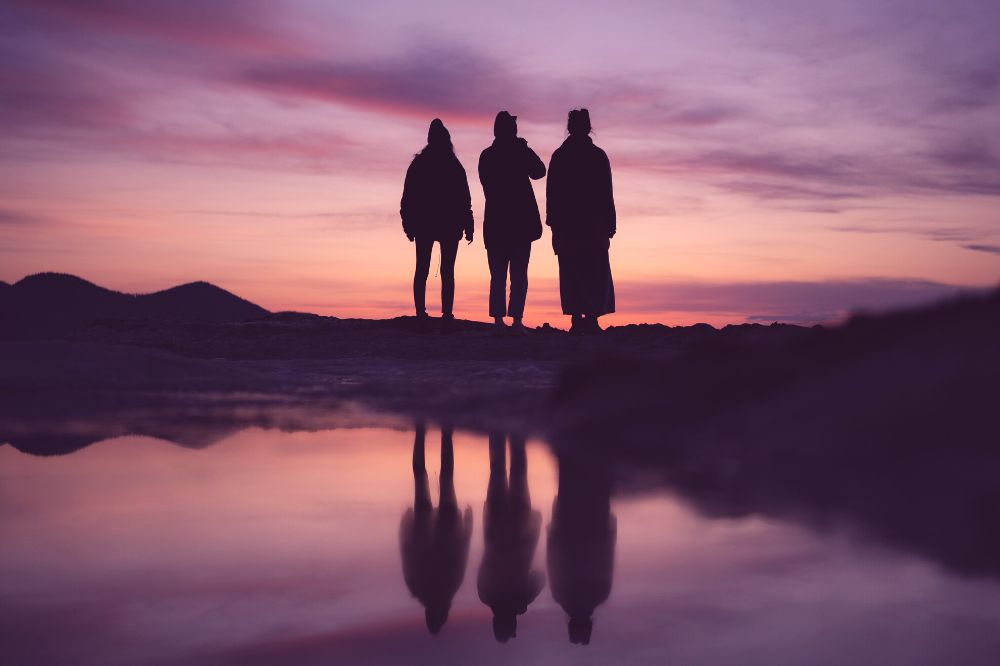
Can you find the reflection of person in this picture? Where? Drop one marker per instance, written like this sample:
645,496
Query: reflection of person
434,543
436,207
580,208
511,221
581,543
507,583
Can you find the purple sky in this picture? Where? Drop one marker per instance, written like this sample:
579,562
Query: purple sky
784,160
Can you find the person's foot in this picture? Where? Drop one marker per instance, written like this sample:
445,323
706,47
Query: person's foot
591,327
576,327
422,321
447,323
499,326
517,328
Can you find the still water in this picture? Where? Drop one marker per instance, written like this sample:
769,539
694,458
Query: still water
411,545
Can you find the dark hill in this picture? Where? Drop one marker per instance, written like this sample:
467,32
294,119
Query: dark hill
55,304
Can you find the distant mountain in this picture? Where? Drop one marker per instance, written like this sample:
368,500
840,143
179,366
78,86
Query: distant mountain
55,304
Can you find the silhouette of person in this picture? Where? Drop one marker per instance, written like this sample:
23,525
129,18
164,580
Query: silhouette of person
580,208
434,543
507,583
436,207
581,543
511,221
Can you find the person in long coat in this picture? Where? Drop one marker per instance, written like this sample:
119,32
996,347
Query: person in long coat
436,207
580,209
581,543
507,581
511,222
434,543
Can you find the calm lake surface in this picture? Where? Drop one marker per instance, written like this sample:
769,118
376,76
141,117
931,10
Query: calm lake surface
274,547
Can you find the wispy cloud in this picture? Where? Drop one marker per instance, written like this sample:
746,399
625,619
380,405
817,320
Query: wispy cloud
228,25
980,247
13,218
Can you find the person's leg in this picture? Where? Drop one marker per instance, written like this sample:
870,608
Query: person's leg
449,251
496,488
519,258
421,488
420,273
448,499
497,258
520,499
569,289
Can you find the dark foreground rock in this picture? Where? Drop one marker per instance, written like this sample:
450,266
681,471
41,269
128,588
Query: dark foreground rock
888,424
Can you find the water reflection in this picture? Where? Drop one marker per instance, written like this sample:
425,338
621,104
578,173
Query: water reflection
434,543
274,547
581,543
507,582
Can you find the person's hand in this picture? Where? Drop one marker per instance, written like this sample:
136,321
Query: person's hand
409,237
468,236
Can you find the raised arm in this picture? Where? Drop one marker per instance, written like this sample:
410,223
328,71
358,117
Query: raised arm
535,166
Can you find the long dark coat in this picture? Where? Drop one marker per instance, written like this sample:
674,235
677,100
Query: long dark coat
436,203
511,216
580,208
580,203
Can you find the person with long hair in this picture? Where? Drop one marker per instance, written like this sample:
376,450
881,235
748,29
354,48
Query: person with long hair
436,207
580,209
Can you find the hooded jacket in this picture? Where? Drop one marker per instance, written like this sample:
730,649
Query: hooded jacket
505,170
436,203
580,204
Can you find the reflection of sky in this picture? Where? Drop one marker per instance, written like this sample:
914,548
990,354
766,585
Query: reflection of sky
273,547
848,147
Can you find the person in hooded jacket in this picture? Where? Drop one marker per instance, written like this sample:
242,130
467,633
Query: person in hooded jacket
508,581
436,207
580,209
511,222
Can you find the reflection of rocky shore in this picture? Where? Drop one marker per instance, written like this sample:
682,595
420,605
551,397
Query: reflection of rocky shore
887,425
61,423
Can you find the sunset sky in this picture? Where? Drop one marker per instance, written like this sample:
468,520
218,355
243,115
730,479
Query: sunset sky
772,160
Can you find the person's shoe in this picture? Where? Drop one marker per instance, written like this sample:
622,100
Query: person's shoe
576,327
499,327
591,327
422,321
447,323
517,328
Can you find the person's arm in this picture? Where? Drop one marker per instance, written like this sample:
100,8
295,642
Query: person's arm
406,202
610,194
535,166
470,224
552,193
